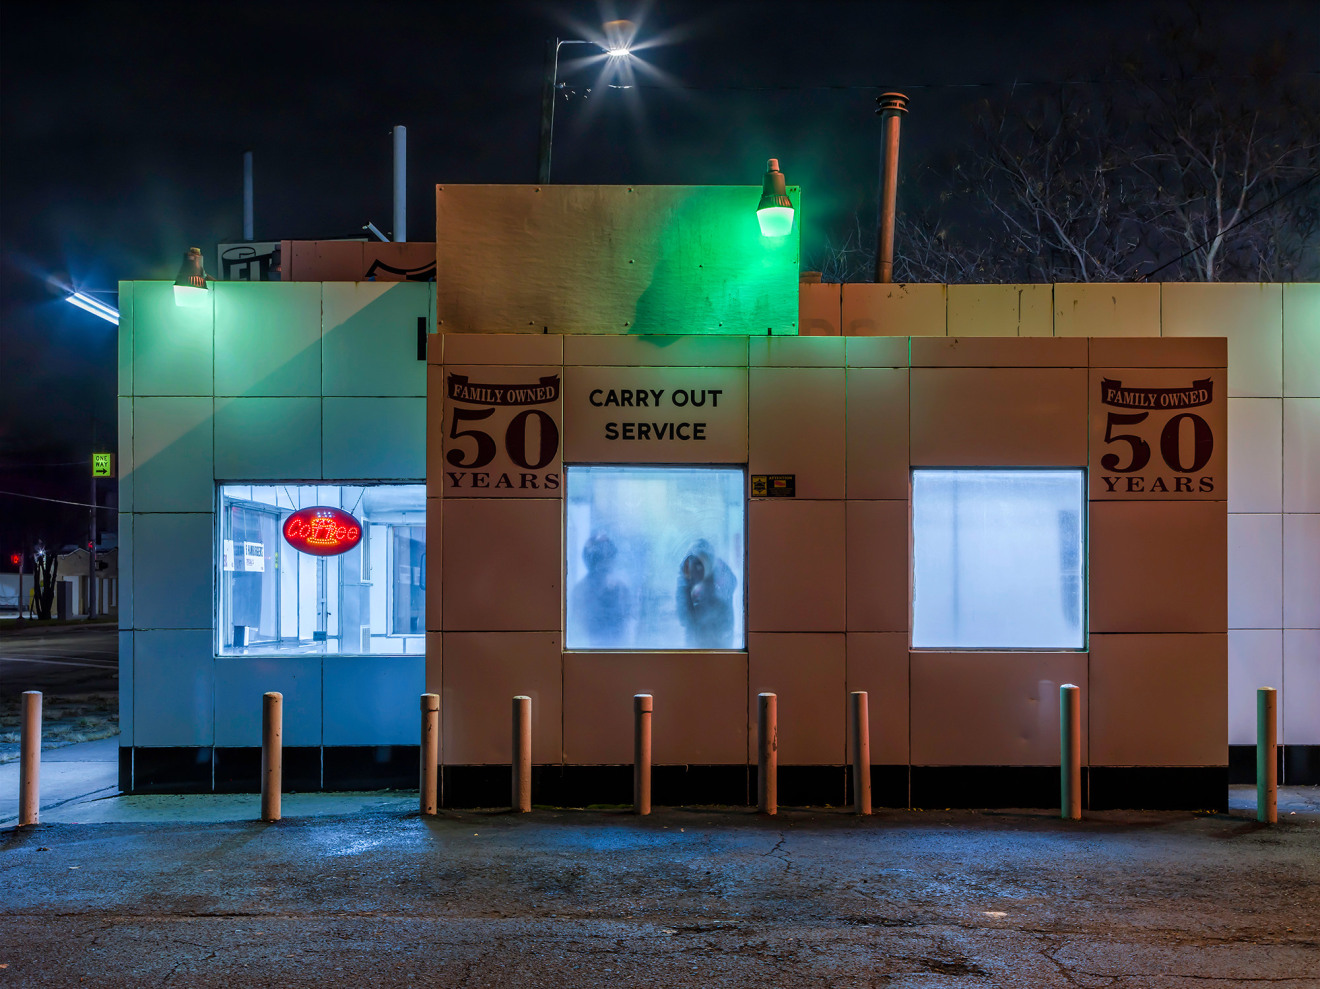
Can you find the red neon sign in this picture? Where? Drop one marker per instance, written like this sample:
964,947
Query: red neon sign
322,531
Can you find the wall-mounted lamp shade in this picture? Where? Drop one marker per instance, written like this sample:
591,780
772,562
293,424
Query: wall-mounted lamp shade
775,211
87,303
190,287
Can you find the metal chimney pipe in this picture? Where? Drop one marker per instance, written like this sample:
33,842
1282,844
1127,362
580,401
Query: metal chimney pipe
892,108
400,183
247,195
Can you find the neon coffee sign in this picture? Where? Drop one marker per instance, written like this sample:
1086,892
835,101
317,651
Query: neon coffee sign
322,531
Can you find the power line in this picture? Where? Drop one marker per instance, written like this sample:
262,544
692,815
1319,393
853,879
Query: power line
57,501
1252,215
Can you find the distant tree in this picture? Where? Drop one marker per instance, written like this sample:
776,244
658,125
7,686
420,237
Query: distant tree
1183,164
43,589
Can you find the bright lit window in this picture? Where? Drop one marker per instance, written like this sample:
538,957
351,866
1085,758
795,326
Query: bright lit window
655,558
997,559
284,586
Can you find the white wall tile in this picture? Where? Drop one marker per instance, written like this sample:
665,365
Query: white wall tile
894,310
795,425
503,564
795,566
819,309
124,460
173,571
1255,571
1001,310
700,707
172,462
1301,571
991,709
172,345
877,432
496,348
1250,314
377,438
819,351
370,337
808,674
1301,454
240,682
484,671
1301,682
653,351
125,339
1255,459
878,664
1255,659
878,569
125,564
373,700
877,351
260,438
268,338
1134,719
1095,309
1158,566
1018,417
1301,339
173,687
125,689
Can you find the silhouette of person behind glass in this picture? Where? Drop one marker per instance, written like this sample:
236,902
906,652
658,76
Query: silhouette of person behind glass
705,598
601,603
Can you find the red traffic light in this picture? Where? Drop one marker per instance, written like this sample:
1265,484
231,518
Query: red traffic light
16,558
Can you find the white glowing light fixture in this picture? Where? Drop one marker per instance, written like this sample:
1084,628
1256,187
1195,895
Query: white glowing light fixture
775,211
617,52
87,303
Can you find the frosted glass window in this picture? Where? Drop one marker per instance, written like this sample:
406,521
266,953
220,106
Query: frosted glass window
997,559
655,558
274,599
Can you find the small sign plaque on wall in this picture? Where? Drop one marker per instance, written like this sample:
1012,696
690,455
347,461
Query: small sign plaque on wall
774,485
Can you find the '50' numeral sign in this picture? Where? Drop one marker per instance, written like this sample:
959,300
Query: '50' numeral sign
515,449
1185,440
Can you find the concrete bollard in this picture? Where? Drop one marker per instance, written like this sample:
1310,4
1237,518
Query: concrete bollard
29,766
1070,752
522,754
767,733
642,708
859,752
428,797
1267,766
272,754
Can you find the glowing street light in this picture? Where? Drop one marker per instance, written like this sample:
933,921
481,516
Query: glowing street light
96,308
617,47
775,211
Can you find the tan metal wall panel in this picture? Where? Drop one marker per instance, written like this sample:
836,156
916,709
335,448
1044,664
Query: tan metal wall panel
611,259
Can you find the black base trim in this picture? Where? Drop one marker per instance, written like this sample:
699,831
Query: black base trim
125,769
1158,788
986,786
181,769
238,770
1242,764
370,767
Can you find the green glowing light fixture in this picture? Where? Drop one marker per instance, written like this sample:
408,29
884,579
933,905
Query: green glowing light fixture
190,288
775,211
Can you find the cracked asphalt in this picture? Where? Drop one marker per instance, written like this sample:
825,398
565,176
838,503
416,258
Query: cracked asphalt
686,897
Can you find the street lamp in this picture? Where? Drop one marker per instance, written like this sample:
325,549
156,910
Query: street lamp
618,35
85,302
775,210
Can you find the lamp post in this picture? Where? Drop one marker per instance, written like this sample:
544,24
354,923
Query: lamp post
617,33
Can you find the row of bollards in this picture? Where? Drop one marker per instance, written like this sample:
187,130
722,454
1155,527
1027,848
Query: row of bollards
767,725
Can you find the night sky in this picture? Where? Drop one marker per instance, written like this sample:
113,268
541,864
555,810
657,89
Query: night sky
124,125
